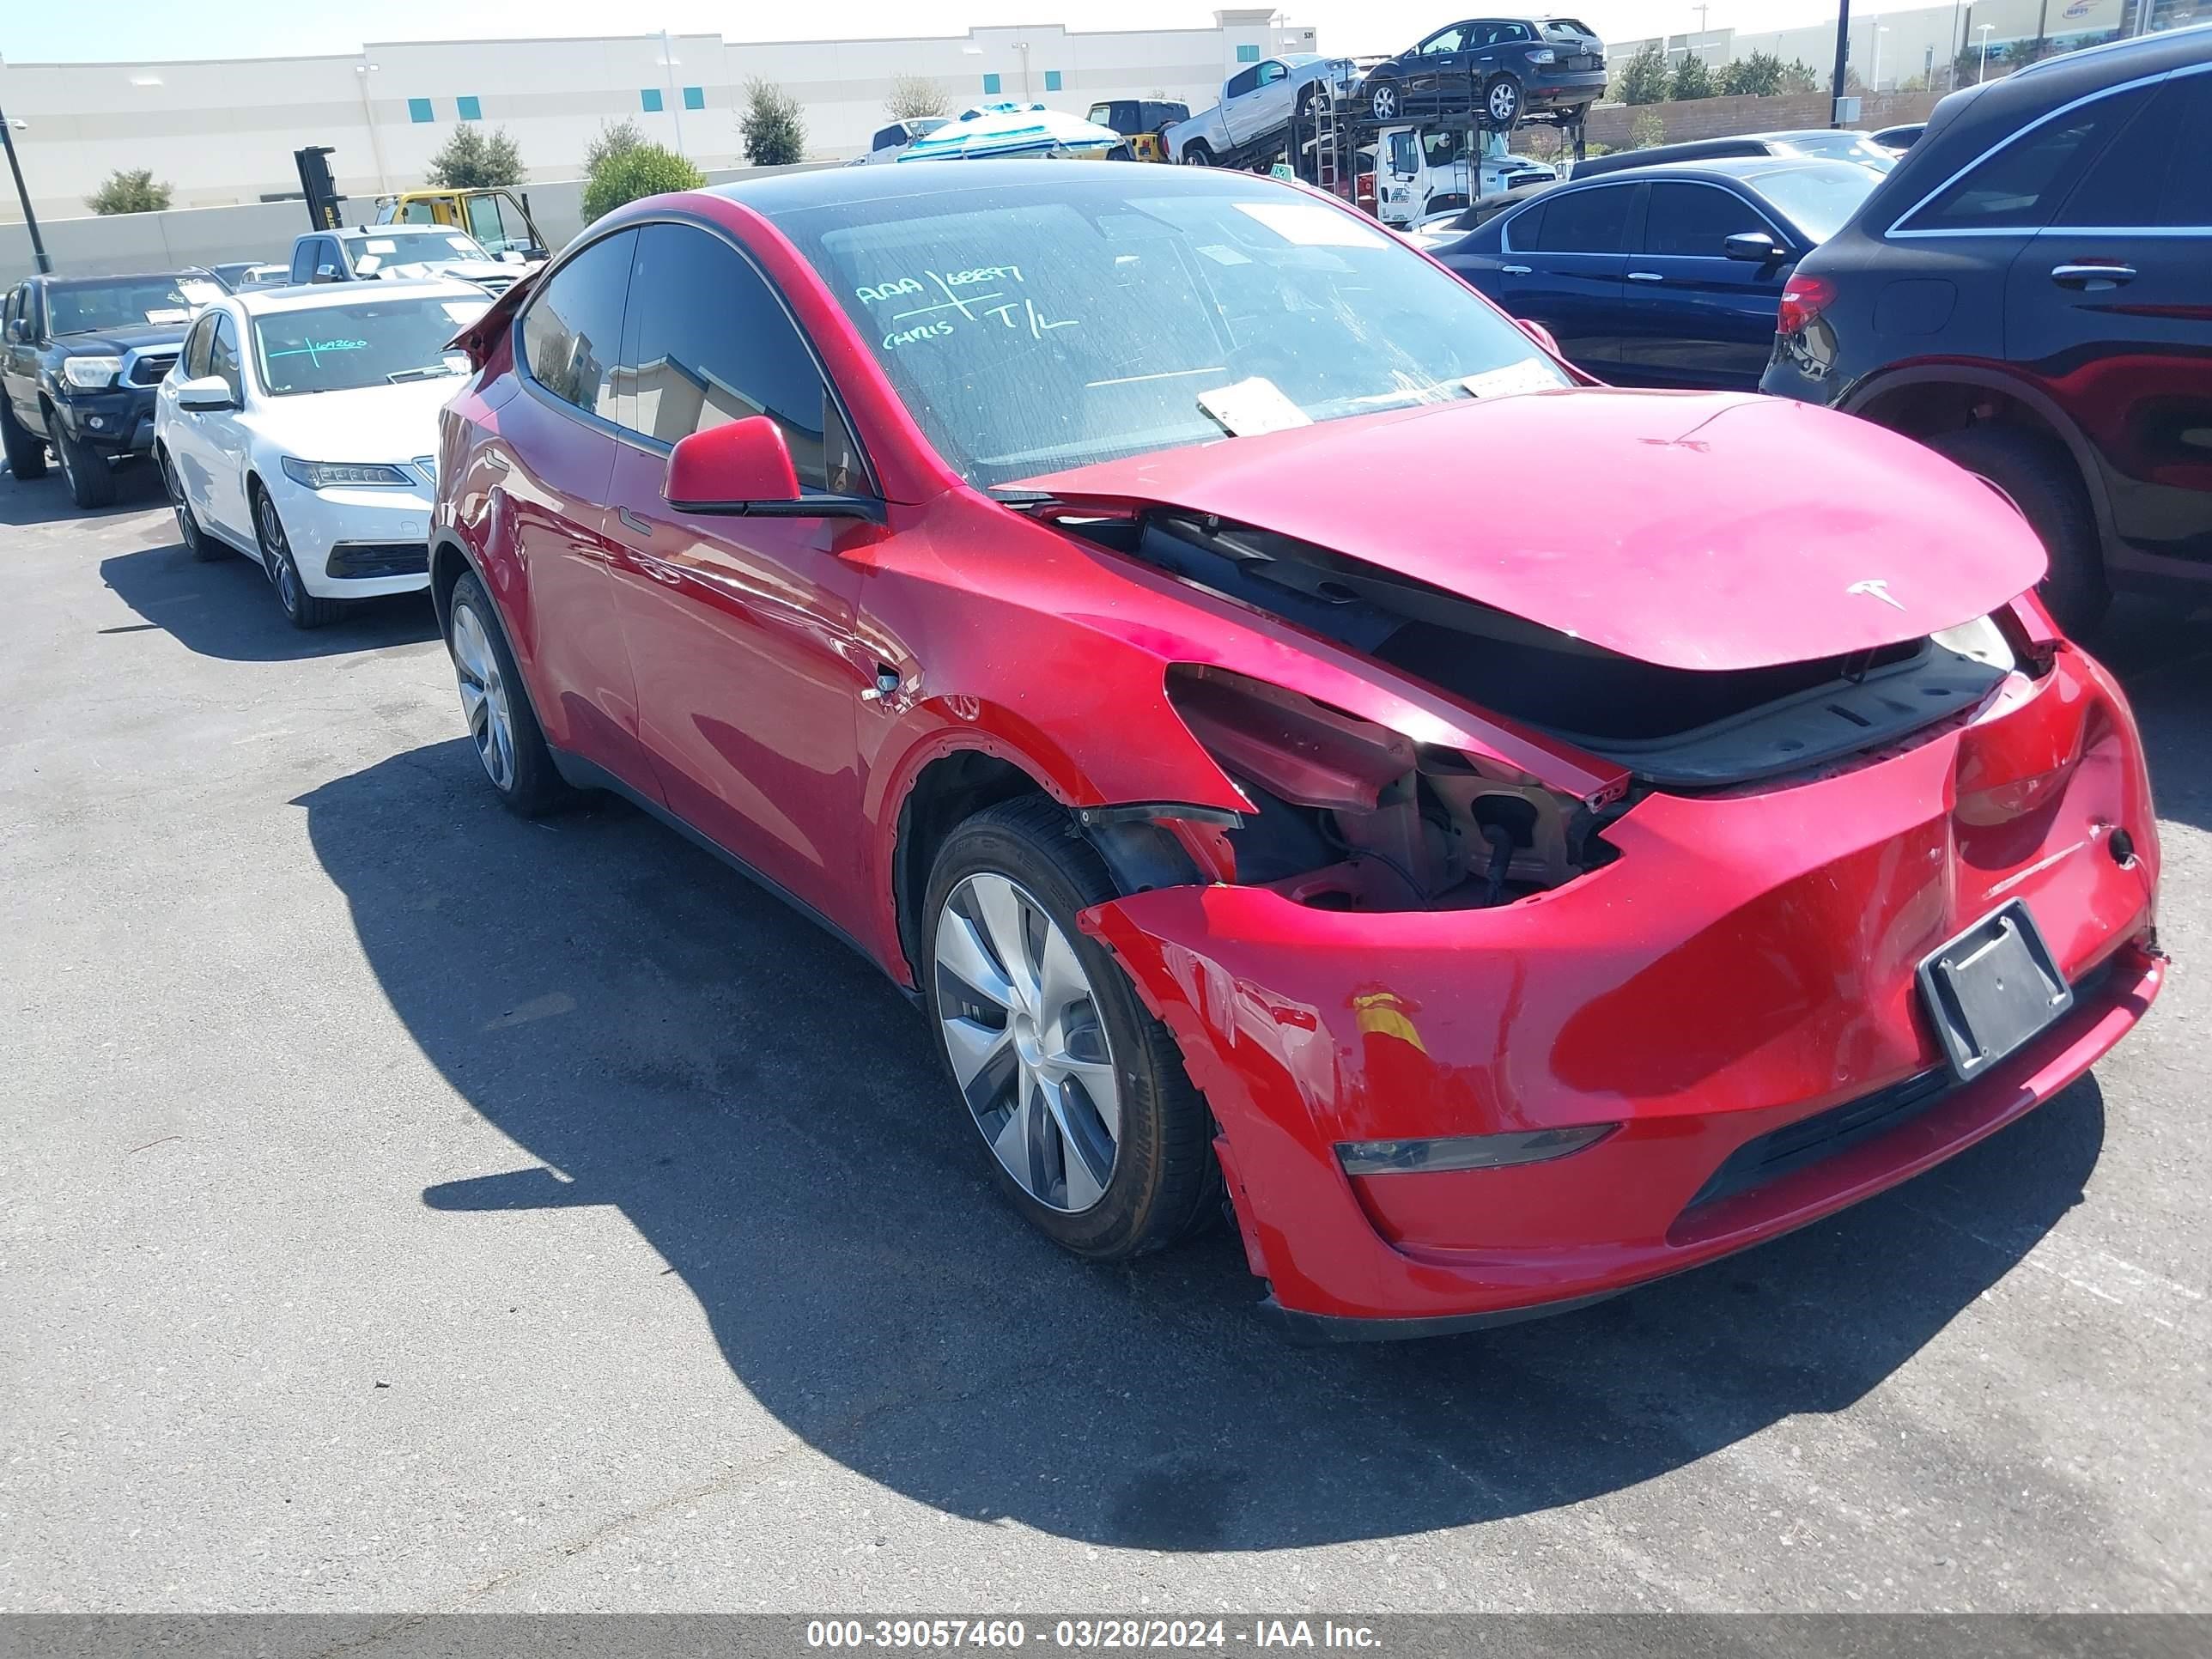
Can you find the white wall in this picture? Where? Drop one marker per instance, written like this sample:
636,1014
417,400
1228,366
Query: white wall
224,132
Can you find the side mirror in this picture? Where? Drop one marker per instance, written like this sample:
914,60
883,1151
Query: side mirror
731,468
1541,336
1755,246
325,273
19,330
743,469
207,392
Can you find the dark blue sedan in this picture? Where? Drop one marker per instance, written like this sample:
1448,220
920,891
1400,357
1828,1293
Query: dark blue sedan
1666,275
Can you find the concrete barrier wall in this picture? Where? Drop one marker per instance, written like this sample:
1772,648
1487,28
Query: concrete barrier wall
97,246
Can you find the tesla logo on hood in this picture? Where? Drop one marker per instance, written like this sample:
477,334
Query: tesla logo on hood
1877,588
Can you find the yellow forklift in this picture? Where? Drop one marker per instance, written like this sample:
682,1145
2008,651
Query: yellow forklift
496,216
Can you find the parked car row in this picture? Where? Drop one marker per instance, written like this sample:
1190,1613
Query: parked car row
2023,290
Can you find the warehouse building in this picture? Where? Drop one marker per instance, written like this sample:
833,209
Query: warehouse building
223,131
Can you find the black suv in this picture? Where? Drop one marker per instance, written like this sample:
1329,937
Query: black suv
80,357
2030,293
1506,68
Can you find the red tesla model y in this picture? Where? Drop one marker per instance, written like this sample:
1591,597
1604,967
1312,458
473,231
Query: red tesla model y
1299,743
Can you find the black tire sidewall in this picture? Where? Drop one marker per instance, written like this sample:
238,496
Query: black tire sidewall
2039,476
537,785
91,482
24,450
1145,1206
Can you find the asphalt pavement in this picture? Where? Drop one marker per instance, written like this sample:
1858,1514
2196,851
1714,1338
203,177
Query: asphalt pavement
404,1207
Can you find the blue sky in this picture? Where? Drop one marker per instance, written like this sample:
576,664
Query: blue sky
137,30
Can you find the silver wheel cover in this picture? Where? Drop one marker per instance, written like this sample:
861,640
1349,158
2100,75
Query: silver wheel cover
1028,1044
483,696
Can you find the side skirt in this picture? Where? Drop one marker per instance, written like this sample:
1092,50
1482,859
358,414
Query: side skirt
580,774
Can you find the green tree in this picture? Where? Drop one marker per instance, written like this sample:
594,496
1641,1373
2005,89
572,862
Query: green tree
640,170
132,191
1758,76
774,129
914,96
1644,77
614,138
470,160
1799,77
1691,78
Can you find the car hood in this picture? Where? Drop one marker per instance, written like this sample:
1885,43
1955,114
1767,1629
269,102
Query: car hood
1695,530
114,342
397,423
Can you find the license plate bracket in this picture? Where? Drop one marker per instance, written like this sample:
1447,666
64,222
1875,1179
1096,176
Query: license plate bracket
1991,989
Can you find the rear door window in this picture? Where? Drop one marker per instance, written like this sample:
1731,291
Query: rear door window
572,329
1594,221
2153,175
2019,186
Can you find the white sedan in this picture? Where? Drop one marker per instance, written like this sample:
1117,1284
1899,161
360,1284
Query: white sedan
300,428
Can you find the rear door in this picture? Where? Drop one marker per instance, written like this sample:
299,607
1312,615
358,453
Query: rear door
1691,316
2109,309
562,436
1564,260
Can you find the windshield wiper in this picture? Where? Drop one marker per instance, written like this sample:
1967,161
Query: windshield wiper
430,374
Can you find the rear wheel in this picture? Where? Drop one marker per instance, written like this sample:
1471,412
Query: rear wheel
91,481
197,543
1384,100
1501,102
2038,476
26,450
503,726
302,608
1079,1094
1197,155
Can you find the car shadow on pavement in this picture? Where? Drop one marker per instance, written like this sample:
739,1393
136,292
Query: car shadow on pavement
226,609
767,1111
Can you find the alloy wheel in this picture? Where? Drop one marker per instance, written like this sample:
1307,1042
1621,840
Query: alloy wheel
1505,102
188,530
1027,1041
1384,102
483,696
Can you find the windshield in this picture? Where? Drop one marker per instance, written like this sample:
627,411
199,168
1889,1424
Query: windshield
1820,198
372,254
369,342
1030,327
127,302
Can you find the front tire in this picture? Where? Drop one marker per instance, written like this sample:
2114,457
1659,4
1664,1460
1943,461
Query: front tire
1091,1126
302,608
2038,476
26,450
91,481
502,727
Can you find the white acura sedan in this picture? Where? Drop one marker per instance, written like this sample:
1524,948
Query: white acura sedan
300,427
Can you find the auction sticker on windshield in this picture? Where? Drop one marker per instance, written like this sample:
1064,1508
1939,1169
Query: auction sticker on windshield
1309,224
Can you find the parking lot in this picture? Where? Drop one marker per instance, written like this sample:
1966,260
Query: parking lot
411,1207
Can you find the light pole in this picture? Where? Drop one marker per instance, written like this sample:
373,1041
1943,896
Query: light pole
369,114
1981,72
8,130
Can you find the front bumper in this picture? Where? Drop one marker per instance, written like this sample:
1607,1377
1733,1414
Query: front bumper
1747,963
353,543
117,421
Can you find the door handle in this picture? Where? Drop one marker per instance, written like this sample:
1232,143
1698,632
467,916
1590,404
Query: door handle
630,520
1646,277
1513,271
2089,276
